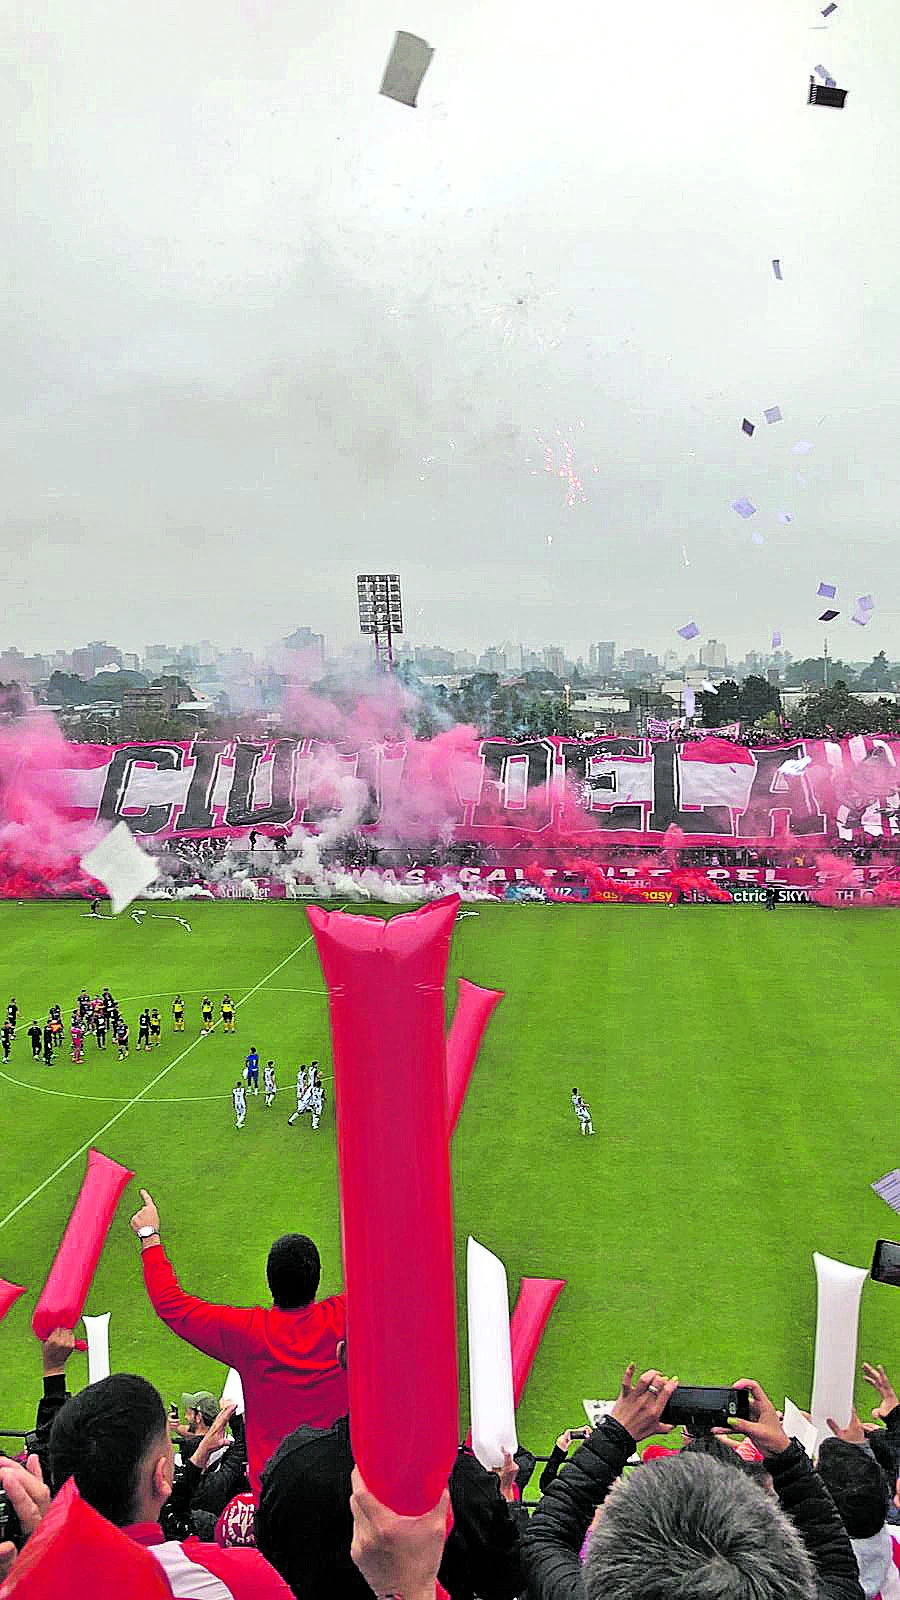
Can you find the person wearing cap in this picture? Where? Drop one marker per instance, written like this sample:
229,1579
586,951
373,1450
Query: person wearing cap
200,1412
284,1353
215,1473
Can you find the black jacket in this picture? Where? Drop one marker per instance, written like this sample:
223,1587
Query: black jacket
551,1544
206,1493
304,1524
53,1399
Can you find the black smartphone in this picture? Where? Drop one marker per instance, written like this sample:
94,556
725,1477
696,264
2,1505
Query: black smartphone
700,1408
886,1263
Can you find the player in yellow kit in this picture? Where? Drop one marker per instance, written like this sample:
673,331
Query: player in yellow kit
178,1014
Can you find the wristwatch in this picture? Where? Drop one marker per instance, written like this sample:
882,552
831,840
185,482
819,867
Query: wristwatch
146,1232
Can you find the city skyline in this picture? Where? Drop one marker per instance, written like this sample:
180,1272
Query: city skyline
508,658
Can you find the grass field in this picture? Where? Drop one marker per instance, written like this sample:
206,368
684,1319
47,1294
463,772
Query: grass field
740,1068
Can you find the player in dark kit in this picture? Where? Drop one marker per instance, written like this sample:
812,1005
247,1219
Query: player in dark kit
178,1014
122,1039
771,897
100,1029
251,1070
36,1035
6,1039
12,1012
48,1046
144,1031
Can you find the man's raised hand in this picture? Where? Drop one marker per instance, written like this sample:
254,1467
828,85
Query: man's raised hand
641,1403
148,1216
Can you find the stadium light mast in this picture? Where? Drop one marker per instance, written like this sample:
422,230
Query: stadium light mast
380,613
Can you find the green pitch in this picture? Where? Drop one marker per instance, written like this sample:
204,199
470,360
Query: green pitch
739,1067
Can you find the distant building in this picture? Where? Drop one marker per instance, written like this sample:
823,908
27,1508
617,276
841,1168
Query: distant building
602,656
714,654
90,659
305,655
493,660
433,661
554,660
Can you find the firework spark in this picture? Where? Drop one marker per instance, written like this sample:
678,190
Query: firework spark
559,462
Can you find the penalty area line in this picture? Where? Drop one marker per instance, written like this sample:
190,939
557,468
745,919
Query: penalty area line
136,1099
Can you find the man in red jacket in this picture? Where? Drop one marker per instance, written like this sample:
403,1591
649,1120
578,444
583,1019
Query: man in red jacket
285,1354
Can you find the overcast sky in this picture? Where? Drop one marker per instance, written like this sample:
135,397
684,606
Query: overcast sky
264,328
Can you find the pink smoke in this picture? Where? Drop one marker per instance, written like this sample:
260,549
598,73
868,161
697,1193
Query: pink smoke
40,845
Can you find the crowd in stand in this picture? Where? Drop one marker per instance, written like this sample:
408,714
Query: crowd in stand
271,1504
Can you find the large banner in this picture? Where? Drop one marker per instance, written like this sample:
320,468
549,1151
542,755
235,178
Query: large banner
549,793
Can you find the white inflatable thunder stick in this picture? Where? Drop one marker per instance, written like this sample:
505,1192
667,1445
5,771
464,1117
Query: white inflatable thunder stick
837,1329
490,1357
233,1392
97,1330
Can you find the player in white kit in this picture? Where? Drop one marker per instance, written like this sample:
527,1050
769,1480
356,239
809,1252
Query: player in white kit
239,1100
582,1112
302,1097
269,1084
317,1100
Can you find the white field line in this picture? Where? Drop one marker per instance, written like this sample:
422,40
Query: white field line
135,1099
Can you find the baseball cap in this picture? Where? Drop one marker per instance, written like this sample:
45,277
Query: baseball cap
204,1402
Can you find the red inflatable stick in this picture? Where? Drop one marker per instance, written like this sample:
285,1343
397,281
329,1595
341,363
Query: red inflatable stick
531,1313
62,1298
9,1294
474,1009
386,997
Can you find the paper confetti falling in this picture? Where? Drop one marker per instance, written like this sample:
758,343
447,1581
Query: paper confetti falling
826,94
407,65
121,866
776,268
689,631
776,641
743,507
827,591
888,1188
773,414
748,428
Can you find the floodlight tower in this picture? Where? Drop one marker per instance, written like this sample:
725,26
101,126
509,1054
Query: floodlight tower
380,613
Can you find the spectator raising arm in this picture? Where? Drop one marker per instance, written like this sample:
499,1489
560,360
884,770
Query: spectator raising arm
208,1327
551,1545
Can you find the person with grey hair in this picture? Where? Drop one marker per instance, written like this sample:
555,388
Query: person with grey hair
688,1527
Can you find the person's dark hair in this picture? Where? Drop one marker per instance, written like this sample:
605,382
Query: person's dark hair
293,1270
857,1485
100,1438
709,1444
690,1528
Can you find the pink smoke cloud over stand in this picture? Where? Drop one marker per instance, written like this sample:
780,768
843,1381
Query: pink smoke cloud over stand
386,998
62,1298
